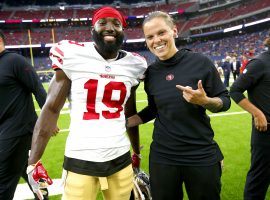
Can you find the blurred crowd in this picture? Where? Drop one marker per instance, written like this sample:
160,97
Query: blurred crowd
240,47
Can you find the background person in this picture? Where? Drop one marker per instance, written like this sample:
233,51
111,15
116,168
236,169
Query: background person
235,67
244,62
226,66
255,79
18,81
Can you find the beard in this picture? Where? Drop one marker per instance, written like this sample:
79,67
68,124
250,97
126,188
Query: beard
107,48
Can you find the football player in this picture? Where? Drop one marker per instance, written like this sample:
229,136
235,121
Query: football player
99,80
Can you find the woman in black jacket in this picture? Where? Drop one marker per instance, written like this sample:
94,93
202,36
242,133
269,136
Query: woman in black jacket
181,86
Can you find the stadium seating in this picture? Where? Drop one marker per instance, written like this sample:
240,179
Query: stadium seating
183,23
52,31
31,14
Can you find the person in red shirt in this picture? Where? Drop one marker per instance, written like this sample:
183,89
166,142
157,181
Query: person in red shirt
244,63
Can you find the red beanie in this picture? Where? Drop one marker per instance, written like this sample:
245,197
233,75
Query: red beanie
108,12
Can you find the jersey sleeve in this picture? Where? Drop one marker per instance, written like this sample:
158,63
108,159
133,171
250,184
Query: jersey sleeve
57,54
142,63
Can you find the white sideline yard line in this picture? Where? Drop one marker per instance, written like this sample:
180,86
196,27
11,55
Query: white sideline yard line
64,130
66,105
142,101
210,115
23,192
227,113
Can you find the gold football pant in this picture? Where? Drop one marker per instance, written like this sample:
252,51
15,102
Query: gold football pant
118,186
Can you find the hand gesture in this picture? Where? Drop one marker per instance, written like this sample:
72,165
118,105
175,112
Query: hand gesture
197,96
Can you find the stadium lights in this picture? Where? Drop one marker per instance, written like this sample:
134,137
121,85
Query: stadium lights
62,7
173,13
135,40
140,16
51,44
22,46
84,19
206,34
61,20
35,45
234,28
27,20
257,22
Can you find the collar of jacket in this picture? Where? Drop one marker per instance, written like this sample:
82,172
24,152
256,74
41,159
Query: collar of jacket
173,60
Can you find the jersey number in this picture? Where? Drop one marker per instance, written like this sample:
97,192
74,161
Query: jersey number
91,86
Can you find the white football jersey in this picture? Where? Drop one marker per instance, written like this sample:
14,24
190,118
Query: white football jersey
99,91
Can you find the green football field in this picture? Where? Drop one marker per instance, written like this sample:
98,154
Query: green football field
232,132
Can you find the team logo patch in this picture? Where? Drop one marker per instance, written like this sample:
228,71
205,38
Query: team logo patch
169,77
108,68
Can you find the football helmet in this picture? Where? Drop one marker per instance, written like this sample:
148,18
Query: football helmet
141,188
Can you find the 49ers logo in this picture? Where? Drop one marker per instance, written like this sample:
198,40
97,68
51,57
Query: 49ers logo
169,77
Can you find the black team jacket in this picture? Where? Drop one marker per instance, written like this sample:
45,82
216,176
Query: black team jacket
255,79
182,132
18,81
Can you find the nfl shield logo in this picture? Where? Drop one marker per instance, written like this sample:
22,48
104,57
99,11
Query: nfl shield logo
107,68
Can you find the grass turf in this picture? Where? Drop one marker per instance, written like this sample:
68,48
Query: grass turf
232,132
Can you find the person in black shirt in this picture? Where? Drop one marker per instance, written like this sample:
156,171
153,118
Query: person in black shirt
226,66
181,86
235,67
18,81
255,79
